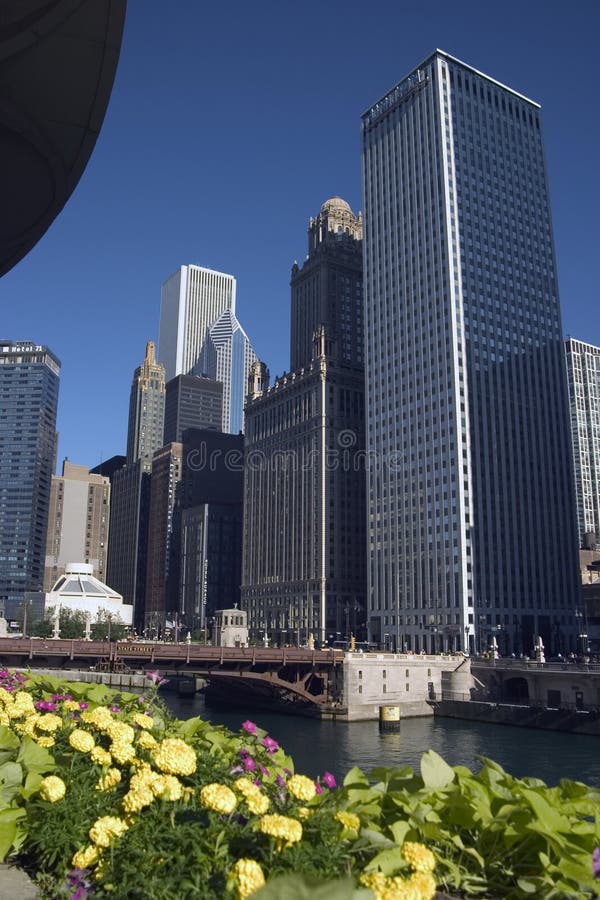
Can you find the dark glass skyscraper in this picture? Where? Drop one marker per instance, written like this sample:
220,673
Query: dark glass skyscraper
29,379
472,523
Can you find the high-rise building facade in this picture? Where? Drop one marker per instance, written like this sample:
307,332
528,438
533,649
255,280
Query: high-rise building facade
192,299
328,288
130,485
146,408
228,357
583,375
29,381
471,505
78,522
162,603
192,402
209,525
303,570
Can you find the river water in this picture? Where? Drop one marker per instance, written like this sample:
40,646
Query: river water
323,745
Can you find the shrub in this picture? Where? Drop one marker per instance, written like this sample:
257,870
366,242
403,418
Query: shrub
104,793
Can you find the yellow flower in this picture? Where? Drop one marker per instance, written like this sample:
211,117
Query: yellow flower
122,752
143,720
4,718
249,877
105,829
45,741
81,740
100,756
49,722
395,888
85,858
108,781
52,788
348,820
70,705
167,787
424,882
174,757
420,858
257,802
101,717
140,792
218,797
301,787
23,703
146,741
286,831
304,812
120,732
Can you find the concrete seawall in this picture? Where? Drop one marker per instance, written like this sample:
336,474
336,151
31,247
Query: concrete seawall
568,720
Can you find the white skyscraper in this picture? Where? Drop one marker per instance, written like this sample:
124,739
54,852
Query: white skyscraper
192,299
228,356
583,372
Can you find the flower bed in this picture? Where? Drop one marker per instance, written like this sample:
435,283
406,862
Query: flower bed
104,793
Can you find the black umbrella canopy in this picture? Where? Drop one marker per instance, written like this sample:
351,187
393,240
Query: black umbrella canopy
58,60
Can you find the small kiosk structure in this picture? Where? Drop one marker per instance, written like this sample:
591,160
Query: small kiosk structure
230,628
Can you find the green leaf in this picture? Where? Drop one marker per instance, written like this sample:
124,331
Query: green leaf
400,829
388,861
9,742
435,772
528,887
32,784
303,887
355,776
35,758
11,777
99,694
547,814
9,830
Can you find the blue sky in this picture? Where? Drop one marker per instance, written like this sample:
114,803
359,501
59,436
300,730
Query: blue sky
228,126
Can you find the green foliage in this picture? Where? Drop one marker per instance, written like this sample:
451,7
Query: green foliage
492,835
108,627
72,623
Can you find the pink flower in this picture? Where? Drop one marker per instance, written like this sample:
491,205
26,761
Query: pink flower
249,764
249,726
329,780
270,744
318,788
156,678
264,770
115,709
596,863
83,704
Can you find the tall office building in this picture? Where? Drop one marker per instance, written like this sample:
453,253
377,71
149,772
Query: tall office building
192,402
228,357
29,381
472,522
208,525
328,288
303,570
162,565
192,299
146,408
131,485
77,523
583,375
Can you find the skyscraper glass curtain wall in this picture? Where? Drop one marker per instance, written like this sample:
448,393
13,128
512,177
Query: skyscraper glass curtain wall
29,380
471,507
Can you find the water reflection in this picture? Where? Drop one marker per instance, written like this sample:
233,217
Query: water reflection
336,746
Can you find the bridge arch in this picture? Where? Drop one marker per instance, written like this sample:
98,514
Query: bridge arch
516,689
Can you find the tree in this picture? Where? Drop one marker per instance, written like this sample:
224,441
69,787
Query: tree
108,626
71,624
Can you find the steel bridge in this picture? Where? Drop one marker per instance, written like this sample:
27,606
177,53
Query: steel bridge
290,675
